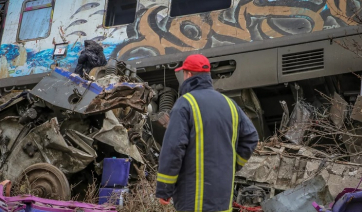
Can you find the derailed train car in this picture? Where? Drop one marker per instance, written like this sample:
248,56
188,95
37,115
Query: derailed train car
261,52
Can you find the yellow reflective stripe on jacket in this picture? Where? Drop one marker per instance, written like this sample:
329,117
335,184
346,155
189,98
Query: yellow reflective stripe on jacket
235,121
166,178
199,194
240,160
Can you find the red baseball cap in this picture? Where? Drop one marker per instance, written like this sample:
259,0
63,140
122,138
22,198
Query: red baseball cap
196,63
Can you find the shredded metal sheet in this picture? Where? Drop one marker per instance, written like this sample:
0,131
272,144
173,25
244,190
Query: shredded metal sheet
338,110
67,90
114,134
300,198
122,94
52,149
298,123
283,171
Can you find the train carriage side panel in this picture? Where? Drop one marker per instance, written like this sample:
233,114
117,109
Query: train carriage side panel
154,36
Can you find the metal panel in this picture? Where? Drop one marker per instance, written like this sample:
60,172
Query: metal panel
357,110
71,92
253,69
21,81
58,88
337,60
251,46
302,61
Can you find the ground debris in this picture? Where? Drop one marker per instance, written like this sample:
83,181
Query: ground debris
300,198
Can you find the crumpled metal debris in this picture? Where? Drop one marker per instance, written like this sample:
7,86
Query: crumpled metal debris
249,103
12,131
357,108
338,110
298,123
106,115
115,134
69,91
87,110
285,117
122,94
12,98
282,169
251,196
300,198
45,143
354,145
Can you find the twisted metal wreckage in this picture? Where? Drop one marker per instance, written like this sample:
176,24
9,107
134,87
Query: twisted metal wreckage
322,158
65,123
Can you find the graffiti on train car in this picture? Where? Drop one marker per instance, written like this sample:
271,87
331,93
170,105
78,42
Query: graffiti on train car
33,56
17,61
245,22
154,33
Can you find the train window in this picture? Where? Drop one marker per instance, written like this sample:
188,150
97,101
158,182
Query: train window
2,17
187,7
36,19
120,12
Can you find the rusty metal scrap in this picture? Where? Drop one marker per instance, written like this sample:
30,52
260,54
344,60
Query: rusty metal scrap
50,148
69,91
12,130
12,99
162,119
123,94
67,120
251,196
46,181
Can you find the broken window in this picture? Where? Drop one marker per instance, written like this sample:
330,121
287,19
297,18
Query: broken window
120,12
36,19
186,7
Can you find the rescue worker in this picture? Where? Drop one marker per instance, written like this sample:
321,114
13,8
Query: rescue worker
92,56
207,140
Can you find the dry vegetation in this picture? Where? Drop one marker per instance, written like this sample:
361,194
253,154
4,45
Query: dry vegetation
141,196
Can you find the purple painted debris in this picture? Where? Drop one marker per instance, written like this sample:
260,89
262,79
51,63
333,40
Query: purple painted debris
18,203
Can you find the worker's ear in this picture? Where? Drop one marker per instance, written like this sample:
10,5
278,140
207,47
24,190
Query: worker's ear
187,74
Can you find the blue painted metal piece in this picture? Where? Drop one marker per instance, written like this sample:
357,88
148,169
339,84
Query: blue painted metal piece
115,172
112,196
61,86
69,91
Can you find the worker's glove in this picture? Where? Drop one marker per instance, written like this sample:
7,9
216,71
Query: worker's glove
165,201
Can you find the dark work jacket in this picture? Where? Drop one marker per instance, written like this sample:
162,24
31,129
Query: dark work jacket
177,172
